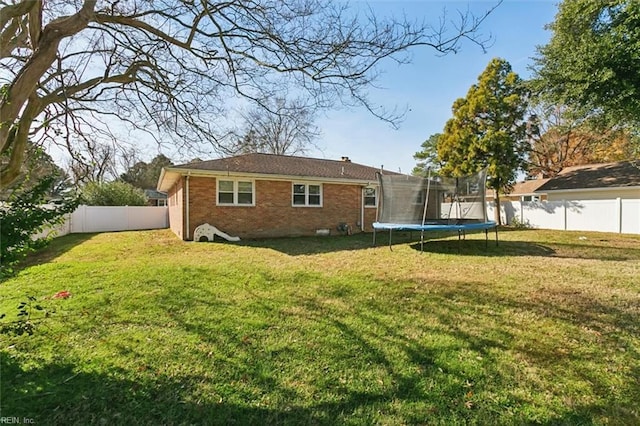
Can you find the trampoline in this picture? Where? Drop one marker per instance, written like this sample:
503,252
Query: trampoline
411,203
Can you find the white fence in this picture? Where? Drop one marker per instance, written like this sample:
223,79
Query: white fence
112,218
615,215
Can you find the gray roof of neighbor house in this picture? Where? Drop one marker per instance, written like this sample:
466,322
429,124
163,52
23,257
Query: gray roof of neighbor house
591,176
153,194
276,165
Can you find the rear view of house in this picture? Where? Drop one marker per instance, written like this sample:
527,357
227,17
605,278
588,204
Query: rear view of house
266,195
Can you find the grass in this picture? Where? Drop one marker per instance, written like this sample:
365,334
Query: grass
542,329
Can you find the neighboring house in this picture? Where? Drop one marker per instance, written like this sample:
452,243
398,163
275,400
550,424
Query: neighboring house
522,191
594,182
155,198
266,195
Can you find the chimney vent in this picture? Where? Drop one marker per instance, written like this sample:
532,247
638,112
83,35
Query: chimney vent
345,159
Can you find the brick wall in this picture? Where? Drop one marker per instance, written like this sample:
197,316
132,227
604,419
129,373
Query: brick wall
273,215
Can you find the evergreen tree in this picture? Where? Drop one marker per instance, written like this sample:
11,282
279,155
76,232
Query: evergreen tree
145,176
488,129
427,157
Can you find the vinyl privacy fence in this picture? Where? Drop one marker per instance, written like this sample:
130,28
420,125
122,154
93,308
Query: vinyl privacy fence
112,218
615,215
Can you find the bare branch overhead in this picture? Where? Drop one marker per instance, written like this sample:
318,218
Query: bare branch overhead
175,67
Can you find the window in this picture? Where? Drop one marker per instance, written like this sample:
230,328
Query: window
307,195
419,197
530,198
370,197
235,193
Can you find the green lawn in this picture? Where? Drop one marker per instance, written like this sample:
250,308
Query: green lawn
542,329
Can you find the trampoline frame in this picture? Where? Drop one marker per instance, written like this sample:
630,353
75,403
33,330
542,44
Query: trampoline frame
460,228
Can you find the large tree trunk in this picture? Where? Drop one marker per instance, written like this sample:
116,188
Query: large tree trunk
25,83
496,198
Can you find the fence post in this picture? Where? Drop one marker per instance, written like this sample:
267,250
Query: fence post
83,218
619,214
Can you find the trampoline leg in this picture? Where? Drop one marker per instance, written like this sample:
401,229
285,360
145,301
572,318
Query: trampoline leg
496,228
390,230
486,238
374,237
422,241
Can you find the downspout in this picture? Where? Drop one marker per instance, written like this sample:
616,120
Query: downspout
187,205
362,208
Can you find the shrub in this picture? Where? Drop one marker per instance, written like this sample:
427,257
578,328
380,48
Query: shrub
24,215
517,224
114,193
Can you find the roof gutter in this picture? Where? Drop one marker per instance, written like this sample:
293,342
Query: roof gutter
599,189
225,173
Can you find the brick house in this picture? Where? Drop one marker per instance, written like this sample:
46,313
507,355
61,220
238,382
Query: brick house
266,195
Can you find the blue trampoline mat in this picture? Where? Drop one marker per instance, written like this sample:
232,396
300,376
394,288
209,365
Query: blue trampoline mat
433,226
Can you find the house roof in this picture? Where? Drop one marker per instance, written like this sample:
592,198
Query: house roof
527,187
285,166
595,176
153,194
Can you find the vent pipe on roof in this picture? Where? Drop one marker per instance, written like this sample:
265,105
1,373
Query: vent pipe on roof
345,159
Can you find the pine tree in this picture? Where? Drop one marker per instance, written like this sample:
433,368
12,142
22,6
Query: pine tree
488,129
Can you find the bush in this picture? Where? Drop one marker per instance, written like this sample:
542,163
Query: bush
115,193
25,214
516,223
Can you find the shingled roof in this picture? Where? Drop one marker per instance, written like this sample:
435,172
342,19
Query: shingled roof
527,187
274,165
609,175
285,165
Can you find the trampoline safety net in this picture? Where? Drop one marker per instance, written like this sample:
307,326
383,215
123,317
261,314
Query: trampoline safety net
432,201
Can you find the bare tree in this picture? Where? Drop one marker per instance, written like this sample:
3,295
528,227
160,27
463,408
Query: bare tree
70,68
561,137
284,127
96,164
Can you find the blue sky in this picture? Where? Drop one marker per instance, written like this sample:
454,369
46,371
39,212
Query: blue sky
427,86
431,83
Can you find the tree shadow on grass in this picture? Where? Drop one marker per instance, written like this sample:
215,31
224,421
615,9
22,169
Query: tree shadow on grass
426,381
57,394
297,246
475,247
472,244
57,247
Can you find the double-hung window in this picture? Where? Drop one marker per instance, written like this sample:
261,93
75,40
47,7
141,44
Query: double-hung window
235,193
308,195
370,197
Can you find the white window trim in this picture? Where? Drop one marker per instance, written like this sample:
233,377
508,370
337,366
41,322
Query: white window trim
306,194
235,192
375,205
